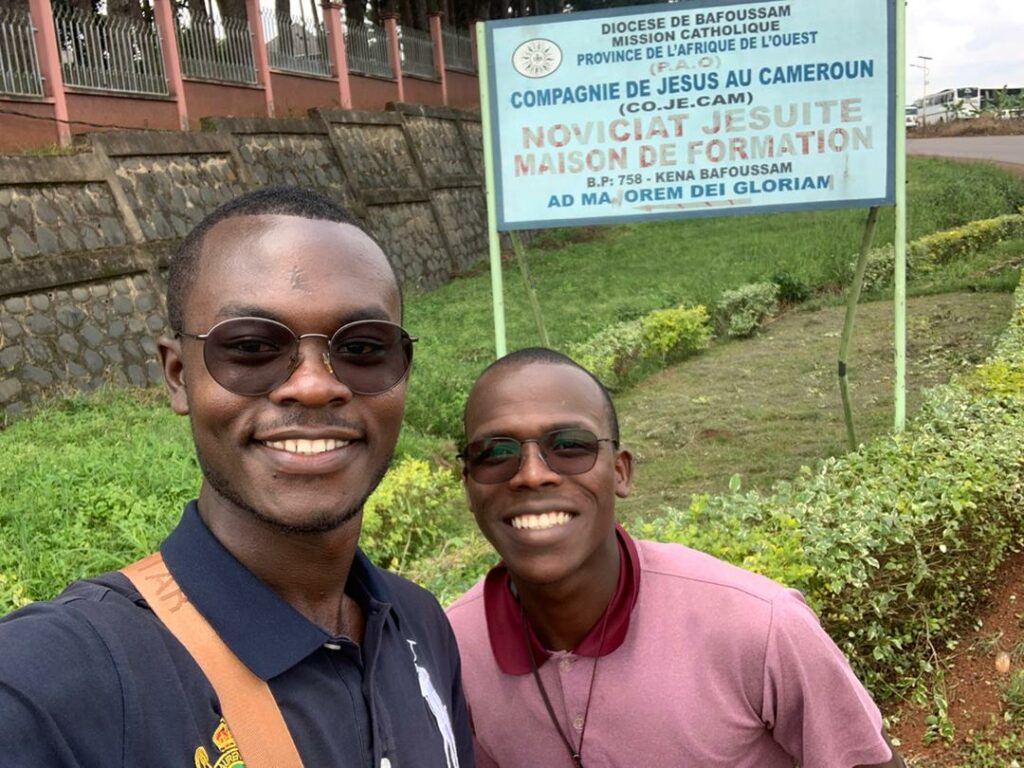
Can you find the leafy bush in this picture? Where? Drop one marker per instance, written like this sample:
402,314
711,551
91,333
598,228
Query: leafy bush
894,543
792,290
675,333
623,352
613,353
412,510
943,247
940,248
742,311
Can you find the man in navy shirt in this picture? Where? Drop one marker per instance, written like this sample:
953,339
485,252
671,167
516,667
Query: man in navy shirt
290,362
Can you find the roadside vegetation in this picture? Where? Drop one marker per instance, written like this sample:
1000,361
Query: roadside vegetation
893,543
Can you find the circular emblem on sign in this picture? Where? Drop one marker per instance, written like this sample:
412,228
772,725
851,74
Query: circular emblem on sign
537,58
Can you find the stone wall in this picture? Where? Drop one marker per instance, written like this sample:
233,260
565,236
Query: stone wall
84,238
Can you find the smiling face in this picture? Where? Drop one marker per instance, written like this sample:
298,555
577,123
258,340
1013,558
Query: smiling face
548,528
305,456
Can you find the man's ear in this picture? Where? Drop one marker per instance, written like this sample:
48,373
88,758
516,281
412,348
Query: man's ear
623,473
174,373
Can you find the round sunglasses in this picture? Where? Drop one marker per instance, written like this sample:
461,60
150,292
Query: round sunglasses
565,451
252,356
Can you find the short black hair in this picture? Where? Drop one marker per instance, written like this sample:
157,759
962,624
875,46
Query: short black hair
528,355
279,200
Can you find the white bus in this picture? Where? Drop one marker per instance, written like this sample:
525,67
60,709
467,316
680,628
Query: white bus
950,104
910,116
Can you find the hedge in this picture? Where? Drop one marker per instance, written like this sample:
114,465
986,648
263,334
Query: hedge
622,353
941,248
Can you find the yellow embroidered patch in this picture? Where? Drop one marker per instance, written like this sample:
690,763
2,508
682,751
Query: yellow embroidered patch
226,746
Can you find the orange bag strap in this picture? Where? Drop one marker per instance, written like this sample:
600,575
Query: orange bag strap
248,705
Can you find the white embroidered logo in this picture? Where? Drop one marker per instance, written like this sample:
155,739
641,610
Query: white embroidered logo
437,709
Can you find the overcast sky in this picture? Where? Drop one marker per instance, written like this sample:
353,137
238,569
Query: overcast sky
971,42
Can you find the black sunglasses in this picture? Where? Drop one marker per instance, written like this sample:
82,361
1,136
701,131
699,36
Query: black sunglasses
565,451
252,356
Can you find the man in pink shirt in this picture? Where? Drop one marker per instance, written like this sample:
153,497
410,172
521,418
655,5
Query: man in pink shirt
584,647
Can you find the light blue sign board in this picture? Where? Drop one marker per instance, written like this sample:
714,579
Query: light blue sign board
692,109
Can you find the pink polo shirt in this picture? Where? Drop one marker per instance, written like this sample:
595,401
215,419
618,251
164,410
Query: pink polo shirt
720,668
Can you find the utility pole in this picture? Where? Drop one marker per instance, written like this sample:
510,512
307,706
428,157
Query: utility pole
923,66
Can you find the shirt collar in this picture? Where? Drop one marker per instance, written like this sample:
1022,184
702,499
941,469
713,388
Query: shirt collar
260,628
505,619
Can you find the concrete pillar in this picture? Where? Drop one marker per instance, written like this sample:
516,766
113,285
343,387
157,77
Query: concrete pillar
438,40
163,15
49,65
334,17
259,52
391,28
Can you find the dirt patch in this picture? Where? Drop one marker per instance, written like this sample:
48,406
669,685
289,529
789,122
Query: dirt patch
972,683
985,125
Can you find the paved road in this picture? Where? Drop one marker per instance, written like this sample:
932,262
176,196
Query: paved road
1000,149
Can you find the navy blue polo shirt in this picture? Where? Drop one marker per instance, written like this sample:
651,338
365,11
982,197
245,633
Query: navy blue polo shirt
92,678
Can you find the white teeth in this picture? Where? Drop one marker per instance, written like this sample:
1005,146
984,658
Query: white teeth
306,447
541,521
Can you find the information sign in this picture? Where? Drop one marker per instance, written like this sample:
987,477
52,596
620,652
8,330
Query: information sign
691,109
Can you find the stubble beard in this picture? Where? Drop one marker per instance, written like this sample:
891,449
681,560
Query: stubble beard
324,522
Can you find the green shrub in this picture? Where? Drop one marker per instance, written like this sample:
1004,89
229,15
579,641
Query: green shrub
612,354
742,311
792,290
675,333
878,271
943,247
412,510
623,352
940,248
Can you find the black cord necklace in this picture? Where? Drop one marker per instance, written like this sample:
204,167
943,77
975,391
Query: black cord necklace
575,754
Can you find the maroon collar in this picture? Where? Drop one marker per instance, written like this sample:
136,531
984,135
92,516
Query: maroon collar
504,617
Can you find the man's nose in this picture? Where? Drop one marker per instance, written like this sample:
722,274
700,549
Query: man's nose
533,469
313,381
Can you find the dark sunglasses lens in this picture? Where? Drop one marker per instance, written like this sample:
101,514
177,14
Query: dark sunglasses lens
494,459
371,356
570,451
565,451
249,356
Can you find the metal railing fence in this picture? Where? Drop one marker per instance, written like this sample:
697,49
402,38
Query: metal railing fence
295,44
109,53
19,66
458,53
216,48
366,49
417,52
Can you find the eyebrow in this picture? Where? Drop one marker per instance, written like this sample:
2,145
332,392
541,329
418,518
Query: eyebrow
546,430
253,310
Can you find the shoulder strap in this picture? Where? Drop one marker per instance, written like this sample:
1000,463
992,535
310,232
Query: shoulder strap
248,705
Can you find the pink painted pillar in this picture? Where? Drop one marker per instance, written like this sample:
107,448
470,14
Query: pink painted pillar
334,24
391,28
163,14
259,52
49,65
438,40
